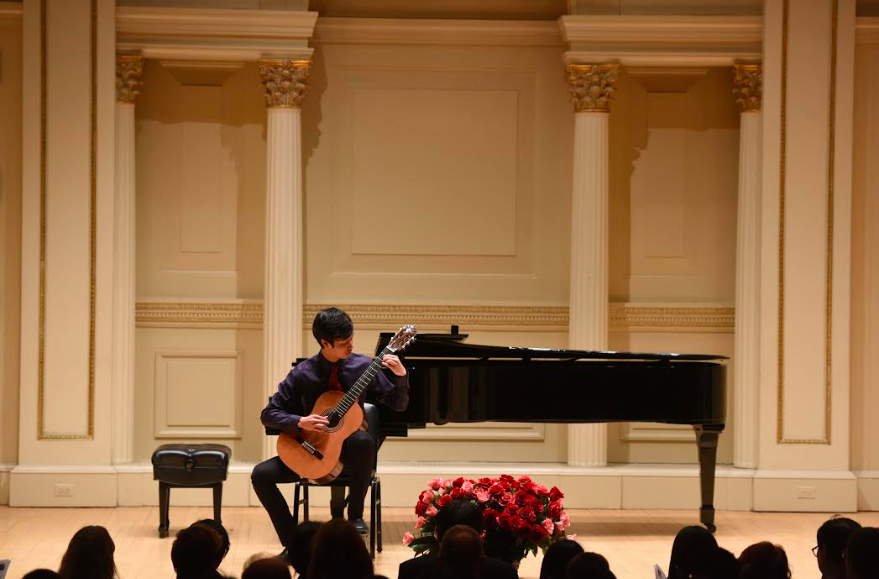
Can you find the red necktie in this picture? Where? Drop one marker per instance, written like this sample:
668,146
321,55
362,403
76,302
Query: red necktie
334,378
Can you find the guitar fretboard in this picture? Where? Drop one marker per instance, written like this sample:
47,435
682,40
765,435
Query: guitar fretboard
350,397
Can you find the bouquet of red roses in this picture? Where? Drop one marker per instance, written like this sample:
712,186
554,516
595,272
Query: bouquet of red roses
519,515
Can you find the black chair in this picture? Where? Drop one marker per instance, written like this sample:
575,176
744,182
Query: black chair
338,485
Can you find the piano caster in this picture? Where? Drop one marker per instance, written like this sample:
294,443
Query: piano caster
706,515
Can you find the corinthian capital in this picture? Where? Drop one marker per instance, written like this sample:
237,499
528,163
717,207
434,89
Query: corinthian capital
129,69
590,85
284,81
748,86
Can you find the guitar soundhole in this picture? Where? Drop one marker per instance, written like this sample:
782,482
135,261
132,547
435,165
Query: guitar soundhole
335,420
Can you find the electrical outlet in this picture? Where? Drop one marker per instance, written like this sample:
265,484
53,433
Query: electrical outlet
805,492
63,490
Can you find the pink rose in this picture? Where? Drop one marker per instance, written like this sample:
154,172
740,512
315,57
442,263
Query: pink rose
566,520
505,498
547,524
436,483
467,486
431,511
420,523
482,496
428,497
408,538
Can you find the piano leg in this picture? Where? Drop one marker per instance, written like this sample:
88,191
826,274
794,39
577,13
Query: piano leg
706,438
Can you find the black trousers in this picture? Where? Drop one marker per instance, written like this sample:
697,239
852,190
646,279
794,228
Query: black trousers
358,453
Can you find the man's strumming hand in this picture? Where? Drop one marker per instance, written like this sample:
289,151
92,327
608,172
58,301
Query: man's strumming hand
313,422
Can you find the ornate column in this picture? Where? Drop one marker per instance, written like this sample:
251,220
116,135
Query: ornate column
748,89
590,86
129,69
285,83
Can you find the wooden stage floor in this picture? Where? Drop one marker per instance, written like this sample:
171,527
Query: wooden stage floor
631,540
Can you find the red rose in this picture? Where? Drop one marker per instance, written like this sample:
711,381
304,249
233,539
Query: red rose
517,524
443,501
555,509
504,520
490,517
495,489
420,508
523,498
555,494
456,492
507,478
505,499
512,510
458,482
527,513
485,481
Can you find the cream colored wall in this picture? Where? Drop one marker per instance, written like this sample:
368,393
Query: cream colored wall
865,263
10,242
200,141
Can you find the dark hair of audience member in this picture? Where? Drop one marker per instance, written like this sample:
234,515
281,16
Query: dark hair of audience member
299,546
557,558
460,553
862,553
271,568
338,551
224,537
690,545
832,537
717,564
41,574
194,552
764,561
588,566
89,555
459,512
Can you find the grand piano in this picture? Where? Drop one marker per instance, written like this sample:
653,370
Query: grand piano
453,381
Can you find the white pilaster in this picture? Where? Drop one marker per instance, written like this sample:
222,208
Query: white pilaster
285,83
128,73
587,444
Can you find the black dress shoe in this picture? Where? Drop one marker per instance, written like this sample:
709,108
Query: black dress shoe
360,525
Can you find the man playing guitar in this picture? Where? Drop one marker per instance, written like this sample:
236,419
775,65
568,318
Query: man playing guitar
335,367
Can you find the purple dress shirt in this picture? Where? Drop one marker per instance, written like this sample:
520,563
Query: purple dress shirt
310,378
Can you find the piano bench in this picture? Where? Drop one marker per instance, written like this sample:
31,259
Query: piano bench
188,466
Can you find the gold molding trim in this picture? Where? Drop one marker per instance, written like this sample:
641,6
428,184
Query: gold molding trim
129,71
93,188
828,353
621,316
284,82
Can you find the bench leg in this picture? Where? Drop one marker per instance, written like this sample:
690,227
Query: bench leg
218,501
378,512
164,499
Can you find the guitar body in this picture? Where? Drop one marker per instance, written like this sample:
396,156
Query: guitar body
314,455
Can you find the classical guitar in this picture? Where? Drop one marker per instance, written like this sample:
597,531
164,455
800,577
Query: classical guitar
314,455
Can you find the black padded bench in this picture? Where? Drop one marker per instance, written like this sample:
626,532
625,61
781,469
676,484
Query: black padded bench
189,466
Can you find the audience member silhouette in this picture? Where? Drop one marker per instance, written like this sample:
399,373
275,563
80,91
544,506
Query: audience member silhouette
830,550
194,553
460,554
339,551
41,574
270,568
557,557
299,547
862,554
718,563
456,512
690,545
588,566
764,561
224,537
89,555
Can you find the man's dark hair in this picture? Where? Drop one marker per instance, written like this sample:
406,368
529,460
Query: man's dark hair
194,552
691,544
832,538
862,553
460,553
557,557
588,566
41,574
459,512
224,537
331,324
764,560
718,564
338,551
270,568
299,546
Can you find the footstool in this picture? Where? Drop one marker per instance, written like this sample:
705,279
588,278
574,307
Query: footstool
189,466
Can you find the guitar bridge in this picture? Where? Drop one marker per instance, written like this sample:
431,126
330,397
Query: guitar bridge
310,449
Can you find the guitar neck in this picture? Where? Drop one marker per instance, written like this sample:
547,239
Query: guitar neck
362,383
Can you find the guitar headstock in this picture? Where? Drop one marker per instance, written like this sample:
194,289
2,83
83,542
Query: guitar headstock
403,338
